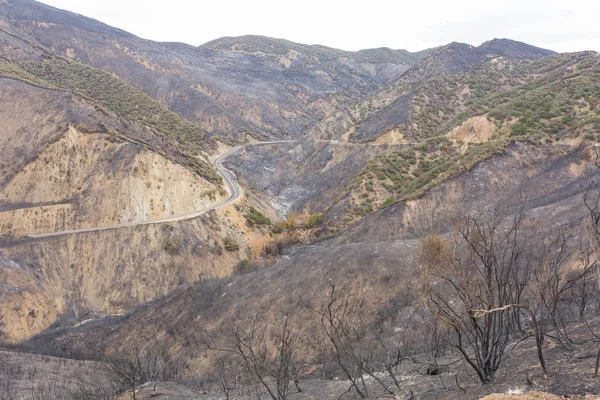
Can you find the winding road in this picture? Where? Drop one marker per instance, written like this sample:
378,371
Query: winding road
235,192
229,179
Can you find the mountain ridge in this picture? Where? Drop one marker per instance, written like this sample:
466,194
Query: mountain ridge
308,92
206,86
382,148
255,43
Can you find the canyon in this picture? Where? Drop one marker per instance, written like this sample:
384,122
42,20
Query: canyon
158,195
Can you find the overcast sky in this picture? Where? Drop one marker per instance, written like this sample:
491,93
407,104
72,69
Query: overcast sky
561,25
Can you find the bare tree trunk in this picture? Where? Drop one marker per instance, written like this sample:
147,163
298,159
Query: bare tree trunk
392,375
257,391
597,363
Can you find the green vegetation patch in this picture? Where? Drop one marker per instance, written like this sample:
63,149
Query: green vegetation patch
116,96
315,220
12,70
255,217
535,101
407,174
230,244
560,99
112,95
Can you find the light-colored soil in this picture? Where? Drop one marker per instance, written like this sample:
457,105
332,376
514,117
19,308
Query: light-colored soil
394,136
473,130
527,396
84,180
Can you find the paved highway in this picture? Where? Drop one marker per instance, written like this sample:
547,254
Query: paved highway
235,192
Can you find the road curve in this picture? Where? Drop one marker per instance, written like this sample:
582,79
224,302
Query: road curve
228,178
235,192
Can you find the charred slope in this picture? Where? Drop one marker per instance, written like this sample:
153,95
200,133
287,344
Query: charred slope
373,257
81,148
233,86
553,98
513,49
455,122
306,175
130,114
263,44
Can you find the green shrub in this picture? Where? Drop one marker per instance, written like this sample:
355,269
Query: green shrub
290,222
255,217
315,220
389,201
230,244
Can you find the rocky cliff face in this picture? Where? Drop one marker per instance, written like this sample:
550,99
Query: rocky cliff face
85,180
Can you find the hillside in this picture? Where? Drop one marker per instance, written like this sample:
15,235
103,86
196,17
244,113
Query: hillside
81,149
554,98
162,131
65,166
553,178
176,206
264,91
550,99
464,72
373,259
266,45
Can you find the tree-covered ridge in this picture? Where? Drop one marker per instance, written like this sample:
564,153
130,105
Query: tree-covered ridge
117,96
557,95
408,174
562,103
114,96
538,101
424,104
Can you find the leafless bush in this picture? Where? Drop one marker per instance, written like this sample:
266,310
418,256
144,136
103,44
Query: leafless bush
143,366
483,267
342,322
227,373
266,349
557,285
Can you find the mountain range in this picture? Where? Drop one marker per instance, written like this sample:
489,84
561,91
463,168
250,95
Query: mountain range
346,161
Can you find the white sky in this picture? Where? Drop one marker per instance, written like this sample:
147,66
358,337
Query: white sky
561,25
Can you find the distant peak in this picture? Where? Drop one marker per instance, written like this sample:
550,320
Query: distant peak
458,44
268,45
514,49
